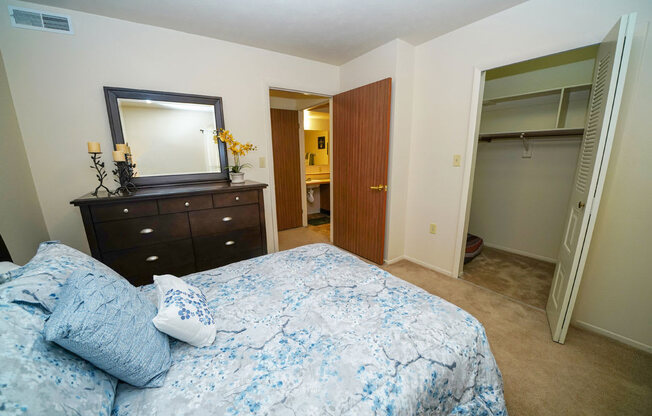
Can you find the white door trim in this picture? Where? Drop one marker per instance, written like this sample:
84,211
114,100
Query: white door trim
271,194
477,92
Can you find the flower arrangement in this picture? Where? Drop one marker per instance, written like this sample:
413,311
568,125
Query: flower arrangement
236,148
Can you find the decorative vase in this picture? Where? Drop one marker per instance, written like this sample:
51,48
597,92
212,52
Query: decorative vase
237,177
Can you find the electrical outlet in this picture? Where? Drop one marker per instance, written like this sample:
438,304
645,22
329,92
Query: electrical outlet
262,162
457,161
433,228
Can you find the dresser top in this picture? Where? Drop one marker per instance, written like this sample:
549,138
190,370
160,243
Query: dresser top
167,191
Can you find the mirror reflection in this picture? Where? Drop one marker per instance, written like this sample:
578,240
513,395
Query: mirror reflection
170,137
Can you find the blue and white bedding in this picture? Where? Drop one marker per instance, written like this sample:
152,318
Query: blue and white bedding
314,331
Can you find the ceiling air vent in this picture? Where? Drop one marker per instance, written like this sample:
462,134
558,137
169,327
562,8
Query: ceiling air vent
34,19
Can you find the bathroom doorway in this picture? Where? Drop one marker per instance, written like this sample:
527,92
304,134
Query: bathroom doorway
301,128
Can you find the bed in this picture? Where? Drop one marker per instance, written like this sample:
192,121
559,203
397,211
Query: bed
313,331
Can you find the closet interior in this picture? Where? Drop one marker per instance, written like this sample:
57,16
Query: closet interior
531,128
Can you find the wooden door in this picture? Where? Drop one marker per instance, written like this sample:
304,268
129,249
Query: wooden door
287,168
360,154
606,92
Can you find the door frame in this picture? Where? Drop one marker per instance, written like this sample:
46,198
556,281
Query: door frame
477,94
270,156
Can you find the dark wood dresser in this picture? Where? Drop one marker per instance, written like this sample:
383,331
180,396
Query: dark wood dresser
175,229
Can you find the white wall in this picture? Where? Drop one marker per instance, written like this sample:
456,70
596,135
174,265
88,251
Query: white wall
444,70
56,83
520,204
21,221
395,60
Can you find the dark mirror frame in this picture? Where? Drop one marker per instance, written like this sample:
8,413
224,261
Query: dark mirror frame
112,94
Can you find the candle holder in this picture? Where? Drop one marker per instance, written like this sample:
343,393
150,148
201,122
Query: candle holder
125,173
98,165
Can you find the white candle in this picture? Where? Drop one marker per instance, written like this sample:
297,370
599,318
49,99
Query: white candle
121,147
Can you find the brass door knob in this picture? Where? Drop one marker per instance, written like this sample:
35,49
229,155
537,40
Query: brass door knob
581,205
379,188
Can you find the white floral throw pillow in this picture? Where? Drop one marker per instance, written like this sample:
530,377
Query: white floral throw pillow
183,312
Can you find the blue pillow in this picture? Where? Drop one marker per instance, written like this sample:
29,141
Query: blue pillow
41,378
108,322
43,276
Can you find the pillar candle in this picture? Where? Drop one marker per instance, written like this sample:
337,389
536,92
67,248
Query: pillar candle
119,156
94,147
121,147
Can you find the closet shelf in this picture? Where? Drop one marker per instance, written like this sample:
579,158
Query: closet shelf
487,137
538,93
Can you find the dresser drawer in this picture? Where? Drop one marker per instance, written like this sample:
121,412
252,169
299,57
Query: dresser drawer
123,210
118,235
235,198
211,251
188,203
220,220
139,265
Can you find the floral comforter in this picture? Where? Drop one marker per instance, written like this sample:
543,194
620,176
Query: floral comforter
315,331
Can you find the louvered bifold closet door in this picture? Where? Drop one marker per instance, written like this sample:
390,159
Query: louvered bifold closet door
608,80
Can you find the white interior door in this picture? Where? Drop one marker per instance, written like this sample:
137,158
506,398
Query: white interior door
608,81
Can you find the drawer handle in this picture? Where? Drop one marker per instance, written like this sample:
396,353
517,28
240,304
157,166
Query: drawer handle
237,198
126,211
146,231
187,204
151,258
227,219
229,243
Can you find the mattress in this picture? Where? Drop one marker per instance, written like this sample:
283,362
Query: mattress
313,331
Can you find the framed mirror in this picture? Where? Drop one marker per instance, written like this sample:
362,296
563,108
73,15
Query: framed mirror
171,135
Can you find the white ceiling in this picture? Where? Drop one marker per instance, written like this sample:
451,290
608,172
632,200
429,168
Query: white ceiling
332,31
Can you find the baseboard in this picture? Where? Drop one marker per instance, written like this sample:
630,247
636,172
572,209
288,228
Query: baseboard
521,253
420,263
394,260
604,332
429,266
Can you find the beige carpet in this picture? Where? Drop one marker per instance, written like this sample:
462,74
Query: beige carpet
518,277
589,375
301,236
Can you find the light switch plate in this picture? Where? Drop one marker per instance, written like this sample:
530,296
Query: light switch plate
262,162
457,161
433,228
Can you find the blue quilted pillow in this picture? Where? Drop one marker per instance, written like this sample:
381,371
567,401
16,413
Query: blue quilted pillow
43,276
107,321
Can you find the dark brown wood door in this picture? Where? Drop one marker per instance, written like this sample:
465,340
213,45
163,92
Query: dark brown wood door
287,168
360,153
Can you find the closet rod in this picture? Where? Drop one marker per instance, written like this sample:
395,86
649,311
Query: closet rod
576,133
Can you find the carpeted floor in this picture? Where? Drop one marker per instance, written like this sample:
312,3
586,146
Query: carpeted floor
518,277
301,236
589,375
